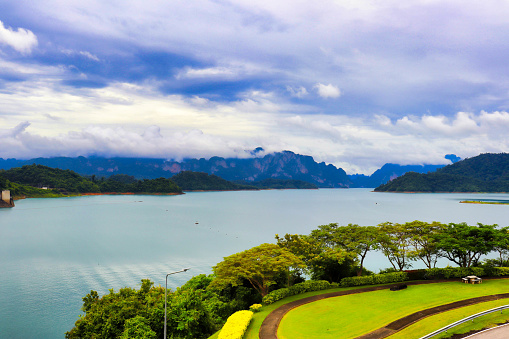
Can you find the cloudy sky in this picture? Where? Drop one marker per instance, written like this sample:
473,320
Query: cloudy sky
350,82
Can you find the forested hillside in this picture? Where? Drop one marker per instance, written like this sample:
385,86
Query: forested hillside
190,181
30,179
484,173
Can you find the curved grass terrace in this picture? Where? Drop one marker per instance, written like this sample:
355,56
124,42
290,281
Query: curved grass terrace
354,315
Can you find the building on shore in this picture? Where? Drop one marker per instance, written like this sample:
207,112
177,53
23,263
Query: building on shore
6,200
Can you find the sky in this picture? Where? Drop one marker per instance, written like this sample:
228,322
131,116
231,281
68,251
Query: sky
354,83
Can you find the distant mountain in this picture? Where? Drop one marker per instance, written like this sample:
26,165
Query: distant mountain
284,165
484,173
389,172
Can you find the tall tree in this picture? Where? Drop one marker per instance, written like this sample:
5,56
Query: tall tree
502,244
394,240
423,238
259,265
464,244
351,238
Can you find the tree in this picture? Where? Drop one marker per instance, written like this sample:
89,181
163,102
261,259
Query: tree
423,238
394,240
464,244
324,257
502,245
259,265
352,238
138,328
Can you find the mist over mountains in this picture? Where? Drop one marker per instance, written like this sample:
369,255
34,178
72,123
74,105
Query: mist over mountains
279,165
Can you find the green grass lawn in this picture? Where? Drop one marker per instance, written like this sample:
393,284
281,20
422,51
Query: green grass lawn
435,322
357,314
254,327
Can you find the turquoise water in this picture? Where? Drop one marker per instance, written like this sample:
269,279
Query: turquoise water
54,251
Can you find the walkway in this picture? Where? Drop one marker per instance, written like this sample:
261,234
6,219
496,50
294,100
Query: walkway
499,332
268,329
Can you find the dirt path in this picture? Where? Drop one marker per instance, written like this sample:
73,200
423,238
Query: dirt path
268,329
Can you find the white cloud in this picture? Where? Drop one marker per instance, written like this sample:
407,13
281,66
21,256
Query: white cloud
211,72
328,91
22,40
298,92
86,54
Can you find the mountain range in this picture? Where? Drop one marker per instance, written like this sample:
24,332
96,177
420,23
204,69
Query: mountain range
280,165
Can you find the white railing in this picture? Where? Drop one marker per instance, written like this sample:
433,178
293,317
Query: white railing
464,320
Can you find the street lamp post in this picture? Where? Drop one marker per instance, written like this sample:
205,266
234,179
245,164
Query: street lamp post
166,289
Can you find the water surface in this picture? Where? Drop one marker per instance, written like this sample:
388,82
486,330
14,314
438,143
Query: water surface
54,251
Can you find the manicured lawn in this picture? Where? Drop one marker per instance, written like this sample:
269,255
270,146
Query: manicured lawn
438,321
258,317
357,314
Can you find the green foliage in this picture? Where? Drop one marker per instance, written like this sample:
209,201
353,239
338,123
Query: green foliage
3,183
273,183
137,328
483,173
259,265
199,181
191,313
24,180
255,307
307,286
236,325
39,176
464,244
496,271
324,253
453,272
423,238
20,190
351,238
374,279
394,241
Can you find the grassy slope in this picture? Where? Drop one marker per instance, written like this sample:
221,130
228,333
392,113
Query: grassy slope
438,321
354,315
256,322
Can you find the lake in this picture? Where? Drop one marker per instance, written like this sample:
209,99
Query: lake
54,251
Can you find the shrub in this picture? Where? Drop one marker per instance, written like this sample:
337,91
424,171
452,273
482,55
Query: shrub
453,272
374,279
496,271
306,286
255,307
236,325
416,274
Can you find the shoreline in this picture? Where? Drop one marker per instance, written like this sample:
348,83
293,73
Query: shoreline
441,192
484,202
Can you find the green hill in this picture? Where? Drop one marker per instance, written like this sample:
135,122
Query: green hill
29,179
280,184
484,173
199,181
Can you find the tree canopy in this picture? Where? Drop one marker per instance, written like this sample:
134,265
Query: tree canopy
259,265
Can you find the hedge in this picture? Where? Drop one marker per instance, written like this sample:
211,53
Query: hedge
496,271
306,286
236,325
453,272
374,279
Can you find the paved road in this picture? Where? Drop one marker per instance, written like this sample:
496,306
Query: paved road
500,332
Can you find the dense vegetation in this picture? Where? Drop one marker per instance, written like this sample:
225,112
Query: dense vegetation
280,184
483,173
331,255
199,181
29,179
